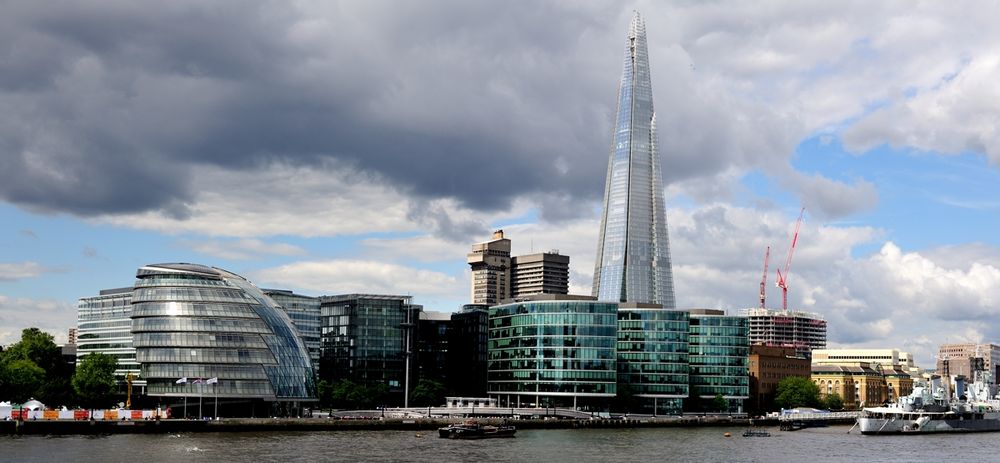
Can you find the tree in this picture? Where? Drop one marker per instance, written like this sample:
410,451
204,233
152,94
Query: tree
35,351
834,401
21,379
720,403
427,393
797,391
94,380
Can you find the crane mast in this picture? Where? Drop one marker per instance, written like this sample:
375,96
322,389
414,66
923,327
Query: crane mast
781,283
763,278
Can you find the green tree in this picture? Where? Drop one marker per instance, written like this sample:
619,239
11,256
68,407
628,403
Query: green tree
427,393
834,401
720,403
21,379
35,349
797,391
94,381
325,392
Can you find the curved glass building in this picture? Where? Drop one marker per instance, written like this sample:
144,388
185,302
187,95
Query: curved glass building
192,323
633,252
551,351
653,356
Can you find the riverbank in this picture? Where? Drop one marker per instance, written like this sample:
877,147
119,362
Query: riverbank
54,427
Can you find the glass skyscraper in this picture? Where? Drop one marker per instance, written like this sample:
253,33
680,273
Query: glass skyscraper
633,254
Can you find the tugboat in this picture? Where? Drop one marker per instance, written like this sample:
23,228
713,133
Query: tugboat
930,408
471,429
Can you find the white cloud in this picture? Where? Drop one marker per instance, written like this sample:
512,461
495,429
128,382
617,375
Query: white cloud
282,199
52,316
361,276
22,270
242,249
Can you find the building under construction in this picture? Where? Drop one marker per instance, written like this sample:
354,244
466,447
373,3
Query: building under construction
804,331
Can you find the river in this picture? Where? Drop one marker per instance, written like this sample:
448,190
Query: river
569,445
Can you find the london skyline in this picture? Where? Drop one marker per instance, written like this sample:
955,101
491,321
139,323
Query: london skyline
333,147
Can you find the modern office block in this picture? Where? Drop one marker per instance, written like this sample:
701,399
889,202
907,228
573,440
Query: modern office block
432,346
804,331
366,338
490,263
104,325
467,351
633,252
539,273
304,312
718,351
192,323
653,356
552,351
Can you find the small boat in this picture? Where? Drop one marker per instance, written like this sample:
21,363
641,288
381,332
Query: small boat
756,432
471,429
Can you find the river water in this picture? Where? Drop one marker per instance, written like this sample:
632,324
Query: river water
570,445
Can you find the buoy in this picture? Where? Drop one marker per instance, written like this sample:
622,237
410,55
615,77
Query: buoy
420,435
728,434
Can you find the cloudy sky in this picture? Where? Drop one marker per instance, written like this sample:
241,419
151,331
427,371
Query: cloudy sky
332,147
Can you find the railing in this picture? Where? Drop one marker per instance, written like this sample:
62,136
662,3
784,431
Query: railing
819,416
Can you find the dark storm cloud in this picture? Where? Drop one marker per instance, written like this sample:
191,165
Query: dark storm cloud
110,104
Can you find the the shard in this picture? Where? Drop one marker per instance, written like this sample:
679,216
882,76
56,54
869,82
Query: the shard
633,254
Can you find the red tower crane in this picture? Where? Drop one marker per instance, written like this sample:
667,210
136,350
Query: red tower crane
763,278
781,283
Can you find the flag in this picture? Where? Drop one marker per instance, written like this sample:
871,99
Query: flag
212,380
182,380
197,381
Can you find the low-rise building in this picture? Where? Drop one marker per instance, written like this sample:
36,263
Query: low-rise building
858,384
768,365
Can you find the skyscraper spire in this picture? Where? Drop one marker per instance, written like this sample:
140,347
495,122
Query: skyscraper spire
633,253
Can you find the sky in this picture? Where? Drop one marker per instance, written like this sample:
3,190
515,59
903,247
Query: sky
338,146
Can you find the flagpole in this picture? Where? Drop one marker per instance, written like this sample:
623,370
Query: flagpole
201,392
215,389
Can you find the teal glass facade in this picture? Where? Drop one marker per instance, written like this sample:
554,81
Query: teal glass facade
197,322
653,357
719,351
633,253
552,352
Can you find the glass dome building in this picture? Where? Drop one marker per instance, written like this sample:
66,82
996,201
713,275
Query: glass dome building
192,324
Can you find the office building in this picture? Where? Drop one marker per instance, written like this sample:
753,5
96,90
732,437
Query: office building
857,383
653,357
804,331
718,350
367,338
104,325
192,323
467,351
887,358
490,263
552,351
432,346
539,273
956,359
304,312
768,365
71,337
633,251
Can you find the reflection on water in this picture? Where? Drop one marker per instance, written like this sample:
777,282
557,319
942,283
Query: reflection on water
666,444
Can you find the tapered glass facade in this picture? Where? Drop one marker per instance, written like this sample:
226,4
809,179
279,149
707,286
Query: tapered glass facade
633,253
653,357
304,312
195,322
552,352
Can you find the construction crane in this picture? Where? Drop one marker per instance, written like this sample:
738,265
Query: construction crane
781,283
763,278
